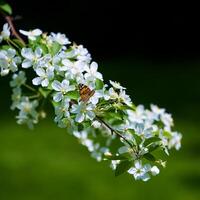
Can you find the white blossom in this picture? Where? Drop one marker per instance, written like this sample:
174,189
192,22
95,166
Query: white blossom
117,85
16,97
44,76
62,88
91,72
62,110
175,141
31,58
82,54
59,38
32,35
5,34
83,112
142,131
139,171
9,61
125,98
27,112
75,68
18,79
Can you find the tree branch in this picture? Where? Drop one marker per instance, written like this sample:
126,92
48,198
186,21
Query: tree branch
114,131
13,30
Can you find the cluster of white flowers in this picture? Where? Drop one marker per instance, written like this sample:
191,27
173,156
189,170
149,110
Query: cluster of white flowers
102,117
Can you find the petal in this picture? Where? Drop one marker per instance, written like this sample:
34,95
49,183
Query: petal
37,81
93,67
74,109
11,53
71,87
27,53
45,83
36,32
65,84
90,115
57,97
155,170
145,177
67,62
138,164
4,72
24,32
56,85
38,52
123,149
79,117
132,170
27,63
40,72
147,167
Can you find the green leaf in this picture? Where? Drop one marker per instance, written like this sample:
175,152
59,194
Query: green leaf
149,157
167,134
137,138
153,147
5,47
114,115
18,42
151,140
5,7
73,95
159,124
55,48
126,107
99,84
122,167
114,157
44,48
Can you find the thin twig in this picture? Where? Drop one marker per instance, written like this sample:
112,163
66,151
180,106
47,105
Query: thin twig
114,131
13,30
29,87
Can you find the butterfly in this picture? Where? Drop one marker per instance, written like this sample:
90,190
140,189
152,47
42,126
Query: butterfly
85,92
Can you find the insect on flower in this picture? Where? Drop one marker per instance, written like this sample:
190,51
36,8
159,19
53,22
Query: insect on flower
85,92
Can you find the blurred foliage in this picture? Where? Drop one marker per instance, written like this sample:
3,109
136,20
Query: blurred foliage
47,163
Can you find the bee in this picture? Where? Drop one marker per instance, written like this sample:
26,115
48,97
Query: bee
85,92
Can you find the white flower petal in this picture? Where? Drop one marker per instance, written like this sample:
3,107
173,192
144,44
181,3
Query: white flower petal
93,67
145,177
57,97
37,81
36,32
45,83
38,52
79,117
27,63
40,72
155,170
24,32
56,85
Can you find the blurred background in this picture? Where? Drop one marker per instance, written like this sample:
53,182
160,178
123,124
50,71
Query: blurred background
154,51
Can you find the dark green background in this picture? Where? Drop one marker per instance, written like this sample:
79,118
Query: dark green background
153,50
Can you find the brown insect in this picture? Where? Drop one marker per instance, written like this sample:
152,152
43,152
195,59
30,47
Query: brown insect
85,92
